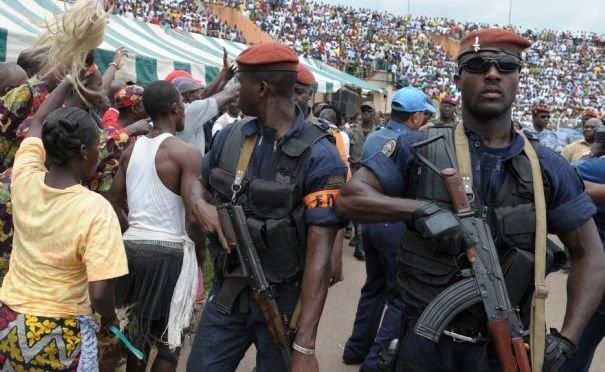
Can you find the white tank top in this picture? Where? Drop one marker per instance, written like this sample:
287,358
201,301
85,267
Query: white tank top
151,205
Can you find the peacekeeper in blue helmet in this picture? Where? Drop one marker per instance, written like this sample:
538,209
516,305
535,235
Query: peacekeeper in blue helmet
288,191
410,110
390,187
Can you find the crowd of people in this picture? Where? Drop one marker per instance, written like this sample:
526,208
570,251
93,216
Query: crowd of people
185,15
563,70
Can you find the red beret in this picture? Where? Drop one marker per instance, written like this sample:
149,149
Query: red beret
179,73
269,56
494,40
540,109
449,100
590,113
305,76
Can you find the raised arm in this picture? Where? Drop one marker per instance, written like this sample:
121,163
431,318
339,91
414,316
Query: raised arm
586,280
220,81
113,67
52,102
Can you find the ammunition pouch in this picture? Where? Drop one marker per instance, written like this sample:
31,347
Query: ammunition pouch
425,271
515,227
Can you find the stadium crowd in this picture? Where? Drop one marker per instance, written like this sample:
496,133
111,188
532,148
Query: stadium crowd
185,15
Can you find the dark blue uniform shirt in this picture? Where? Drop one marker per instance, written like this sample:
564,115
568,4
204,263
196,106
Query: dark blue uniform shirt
593,170
377,139
325,171
567,208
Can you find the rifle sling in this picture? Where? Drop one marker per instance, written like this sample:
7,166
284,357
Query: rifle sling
242,164
232,287
538,325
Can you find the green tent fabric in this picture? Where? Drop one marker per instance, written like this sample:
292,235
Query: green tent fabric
154,51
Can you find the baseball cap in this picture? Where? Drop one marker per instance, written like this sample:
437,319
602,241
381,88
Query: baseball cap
369,104
411,100
185,85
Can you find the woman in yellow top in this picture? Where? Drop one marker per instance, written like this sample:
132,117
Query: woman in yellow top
67,246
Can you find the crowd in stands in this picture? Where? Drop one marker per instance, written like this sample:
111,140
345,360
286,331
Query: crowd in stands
185,15
563,70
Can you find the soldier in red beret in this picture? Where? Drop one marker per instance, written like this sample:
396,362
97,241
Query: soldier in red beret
303,91
289,191
540,116
492,158
447,112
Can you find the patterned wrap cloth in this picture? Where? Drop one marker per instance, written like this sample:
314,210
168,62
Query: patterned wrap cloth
36,344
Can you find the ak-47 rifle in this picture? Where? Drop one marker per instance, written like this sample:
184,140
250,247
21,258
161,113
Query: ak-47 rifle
250,271
484,283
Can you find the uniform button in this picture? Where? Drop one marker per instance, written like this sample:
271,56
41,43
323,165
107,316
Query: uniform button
477,144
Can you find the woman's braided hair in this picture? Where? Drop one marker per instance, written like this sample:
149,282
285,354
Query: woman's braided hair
64,131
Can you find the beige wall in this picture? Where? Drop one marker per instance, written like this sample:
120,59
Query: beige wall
233,17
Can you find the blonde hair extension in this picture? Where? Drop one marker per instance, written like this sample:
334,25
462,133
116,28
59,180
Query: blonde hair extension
68,39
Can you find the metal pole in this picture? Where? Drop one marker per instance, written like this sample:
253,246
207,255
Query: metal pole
409,7
510,12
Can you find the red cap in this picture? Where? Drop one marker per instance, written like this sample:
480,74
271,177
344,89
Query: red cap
179,73
494,40
305,76
540,109
129,95
590,113
449,100
269,56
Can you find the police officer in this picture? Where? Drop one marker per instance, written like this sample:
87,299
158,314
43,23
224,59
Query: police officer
358,135
294,176
385,190
447,111
303,91
381,244
592,171
540,116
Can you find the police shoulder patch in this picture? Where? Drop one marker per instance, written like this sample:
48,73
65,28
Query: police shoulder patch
389,147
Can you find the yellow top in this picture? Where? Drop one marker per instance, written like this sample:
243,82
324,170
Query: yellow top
576,150
63,239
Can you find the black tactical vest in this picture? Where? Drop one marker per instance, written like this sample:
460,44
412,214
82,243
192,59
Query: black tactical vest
272,200
425,271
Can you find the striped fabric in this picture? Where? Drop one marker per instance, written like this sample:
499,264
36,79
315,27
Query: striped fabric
153,50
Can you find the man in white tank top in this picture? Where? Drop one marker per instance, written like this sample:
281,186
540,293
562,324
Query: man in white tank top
156,174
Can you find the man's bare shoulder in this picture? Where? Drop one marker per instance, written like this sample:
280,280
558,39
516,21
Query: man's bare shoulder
180,150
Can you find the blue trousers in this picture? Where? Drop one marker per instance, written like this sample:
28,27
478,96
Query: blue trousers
591,337
381,243
221,340
417,354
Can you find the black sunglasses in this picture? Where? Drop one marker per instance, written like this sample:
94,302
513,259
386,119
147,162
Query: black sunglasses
482,64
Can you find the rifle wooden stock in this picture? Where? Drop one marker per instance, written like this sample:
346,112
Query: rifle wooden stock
521,355
275,324
501,340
